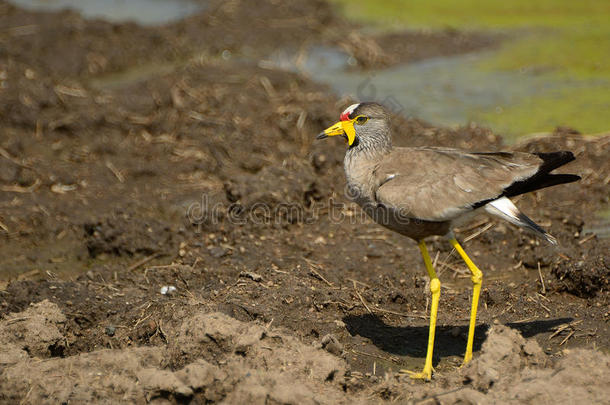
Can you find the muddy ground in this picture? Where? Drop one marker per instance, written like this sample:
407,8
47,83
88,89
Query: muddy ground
133,159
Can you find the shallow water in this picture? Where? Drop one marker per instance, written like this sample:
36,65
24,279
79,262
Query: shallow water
448,91
145,12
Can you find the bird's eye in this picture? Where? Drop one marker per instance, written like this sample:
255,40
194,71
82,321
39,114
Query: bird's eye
361,119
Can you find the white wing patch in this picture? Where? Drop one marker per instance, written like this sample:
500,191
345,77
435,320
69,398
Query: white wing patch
505,209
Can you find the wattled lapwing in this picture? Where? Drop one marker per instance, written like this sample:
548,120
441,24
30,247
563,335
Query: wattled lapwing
424,191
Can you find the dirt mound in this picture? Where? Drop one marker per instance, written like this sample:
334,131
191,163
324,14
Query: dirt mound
511,369
104,377
212,357
504,355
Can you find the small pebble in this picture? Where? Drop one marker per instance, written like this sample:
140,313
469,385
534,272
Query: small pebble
110,330
332,345
340,323
320,240
250,275
167,289
218,252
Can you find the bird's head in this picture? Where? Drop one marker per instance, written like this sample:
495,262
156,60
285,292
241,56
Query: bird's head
362,123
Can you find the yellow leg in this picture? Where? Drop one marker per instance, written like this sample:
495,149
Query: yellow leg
435,288
477,279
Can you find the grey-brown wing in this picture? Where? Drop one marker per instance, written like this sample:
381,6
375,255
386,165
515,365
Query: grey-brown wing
438,184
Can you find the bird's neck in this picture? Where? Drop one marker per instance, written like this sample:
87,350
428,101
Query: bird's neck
360,163
371,147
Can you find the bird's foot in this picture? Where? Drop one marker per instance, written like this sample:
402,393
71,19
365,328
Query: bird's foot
465,362
425,375
467,359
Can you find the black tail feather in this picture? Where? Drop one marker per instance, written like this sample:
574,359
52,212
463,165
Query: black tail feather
543,178
553,160
538,181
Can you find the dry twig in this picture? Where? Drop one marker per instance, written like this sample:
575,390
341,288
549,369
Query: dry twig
117,173
315,273
541,280
563,327
567,337
479,232
20,189
144,261
586,239
392,359
362,299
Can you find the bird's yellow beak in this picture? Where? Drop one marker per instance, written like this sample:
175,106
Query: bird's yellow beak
345,128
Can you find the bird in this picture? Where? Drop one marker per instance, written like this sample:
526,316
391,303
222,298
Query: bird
425,191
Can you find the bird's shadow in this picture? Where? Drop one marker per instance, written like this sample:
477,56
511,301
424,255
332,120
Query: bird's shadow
412,341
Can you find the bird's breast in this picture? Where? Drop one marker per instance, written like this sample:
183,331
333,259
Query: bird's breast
360,182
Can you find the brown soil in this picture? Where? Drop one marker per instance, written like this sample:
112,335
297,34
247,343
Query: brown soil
134,158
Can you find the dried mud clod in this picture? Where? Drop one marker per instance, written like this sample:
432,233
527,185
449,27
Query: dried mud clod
35,332
582,278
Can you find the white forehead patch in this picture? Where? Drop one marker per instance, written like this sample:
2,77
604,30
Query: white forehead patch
350,109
